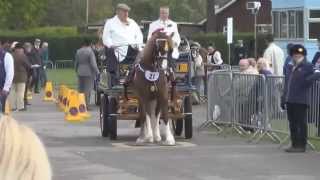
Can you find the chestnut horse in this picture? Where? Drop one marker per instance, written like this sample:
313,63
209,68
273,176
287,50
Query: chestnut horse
151,85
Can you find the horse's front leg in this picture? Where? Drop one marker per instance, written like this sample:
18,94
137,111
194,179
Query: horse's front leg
146,130
169,138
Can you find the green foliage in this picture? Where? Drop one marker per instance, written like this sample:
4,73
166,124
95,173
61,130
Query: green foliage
42,31
20,14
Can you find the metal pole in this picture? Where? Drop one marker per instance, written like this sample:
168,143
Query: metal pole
229,50
255,35
87,12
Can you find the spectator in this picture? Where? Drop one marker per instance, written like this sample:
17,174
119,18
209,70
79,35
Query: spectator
27,50
21,68
295,97
288,61
316,58
214,56
240,52
252,66
263,67
246,67
6,76
198,71
86,68
275,56
23,156
44,54
33,53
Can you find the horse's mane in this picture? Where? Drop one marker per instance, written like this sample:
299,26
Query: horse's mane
149,48
22,155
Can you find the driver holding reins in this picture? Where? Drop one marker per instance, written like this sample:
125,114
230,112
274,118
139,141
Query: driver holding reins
123,38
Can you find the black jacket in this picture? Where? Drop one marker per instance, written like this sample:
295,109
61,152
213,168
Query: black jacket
297,83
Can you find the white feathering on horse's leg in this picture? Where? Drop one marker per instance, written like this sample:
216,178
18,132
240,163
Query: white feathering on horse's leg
170,141
146,135
156,129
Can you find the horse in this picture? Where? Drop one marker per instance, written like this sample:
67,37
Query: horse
22,155
151,84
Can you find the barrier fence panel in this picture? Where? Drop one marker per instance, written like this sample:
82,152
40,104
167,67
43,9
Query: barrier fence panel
248,101
219,105
313,115
252,103
276,117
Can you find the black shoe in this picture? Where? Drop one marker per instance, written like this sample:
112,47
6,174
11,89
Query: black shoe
295,150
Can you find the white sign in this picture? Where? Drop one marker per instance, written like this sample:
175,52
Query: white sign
152,76
230,30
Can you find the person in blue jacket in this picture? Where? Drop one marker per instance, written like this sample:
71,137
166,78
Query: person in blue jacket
298,80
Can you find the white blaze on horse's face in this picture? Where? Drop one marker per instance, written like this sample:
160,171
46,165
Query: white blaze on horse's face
164,64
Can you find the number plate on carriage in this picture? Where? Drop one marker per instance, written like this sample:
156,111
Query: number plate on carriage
182,68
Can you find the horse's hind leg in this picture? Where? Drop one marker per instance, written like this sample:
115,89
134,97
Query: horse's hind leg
169,138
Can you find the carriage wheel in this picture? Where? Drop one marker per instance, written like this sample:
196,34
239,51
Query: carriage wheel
98,98
104,117
188,117
112,120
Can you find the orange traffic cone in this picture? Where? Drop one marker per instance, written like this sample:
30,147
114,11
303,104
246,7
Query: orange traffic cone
60,96
7,108
66,100
83,107
48,93
73,114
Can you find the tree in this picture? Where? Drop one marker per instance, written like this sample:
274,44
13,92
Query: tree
19,14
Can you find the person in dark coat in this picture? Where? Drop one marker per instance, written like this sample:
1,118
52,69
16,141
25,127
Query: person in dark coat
316,58
240,52
298,81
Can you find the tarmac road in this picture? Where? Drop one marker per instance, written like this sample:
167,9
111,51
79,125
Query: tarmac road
78,152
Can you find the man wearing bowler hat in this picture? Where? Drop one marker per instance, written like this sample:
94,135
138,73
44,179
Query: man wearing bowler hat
123,38
298,80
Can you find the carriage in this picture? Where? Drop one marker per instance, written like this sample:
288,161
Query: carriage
115,106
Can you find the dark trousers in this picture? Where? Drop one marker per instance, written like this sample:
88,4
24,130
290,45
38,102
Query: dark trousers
35,79
43,77
113,63
298,124
3,103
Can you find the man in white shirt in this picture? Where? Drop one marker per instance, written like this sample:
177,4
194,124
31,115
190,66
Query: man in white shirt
214,59
275,57
170,28
6,75
123,37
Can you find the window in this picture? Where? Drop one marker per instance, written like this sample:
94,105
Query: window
283,25
276,24
314,32
314,24
314,14
292,24
288,24
299,24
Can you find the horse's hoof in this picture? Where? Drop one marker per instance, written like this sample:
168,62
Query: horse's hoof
144,141
157,140
169,143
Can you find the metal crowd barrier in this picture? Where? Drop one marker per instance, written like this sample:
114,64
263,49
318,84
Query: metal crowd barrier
251,105
61,64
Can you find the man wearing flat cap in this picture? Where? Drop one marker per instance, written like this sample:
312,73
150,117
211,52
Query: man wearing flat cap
123,37
298,80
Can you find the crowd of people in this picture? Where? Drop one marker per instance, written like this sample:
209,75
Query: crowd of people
23,71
